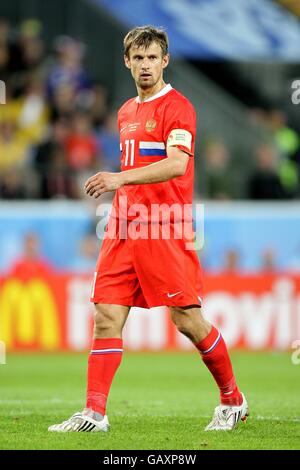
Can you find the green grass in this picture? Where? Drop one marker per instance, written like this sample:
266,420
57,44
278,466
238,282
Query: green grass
157,401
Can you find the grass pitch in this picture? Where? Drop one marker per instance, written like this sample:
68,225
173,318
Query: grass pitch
157,401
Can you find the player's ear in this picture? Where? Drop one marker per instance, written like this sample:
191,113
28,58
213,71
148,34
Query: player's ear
166,60
127,62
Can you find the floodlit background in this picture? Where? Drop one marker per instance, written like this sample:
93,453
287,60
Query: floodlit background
62,65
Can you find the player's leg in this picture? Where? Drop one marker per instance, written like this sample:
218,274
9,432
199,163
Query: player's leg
212,348
104,360
105,356
115,288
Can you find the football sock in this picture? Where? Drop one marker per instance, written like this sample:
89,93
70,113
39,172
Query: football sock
104,360
214,354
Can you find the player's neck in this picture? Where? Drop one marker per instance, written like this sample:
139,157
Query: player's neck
146,93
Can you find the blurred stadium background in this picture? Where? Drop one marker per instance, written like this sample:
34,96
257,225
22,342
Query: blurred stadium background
62,65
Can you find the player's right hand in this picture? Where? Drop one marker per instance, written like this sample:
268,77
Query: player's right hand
103,182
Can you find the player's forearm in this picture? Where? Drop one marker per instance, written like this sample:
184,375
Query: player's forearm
174,165
158,172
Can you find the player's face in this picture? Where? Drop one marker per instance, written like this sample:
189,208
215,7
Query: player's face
146,65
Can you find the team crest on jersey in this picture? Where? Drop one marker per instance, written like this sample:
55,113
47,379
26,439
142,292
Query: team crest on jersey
150,125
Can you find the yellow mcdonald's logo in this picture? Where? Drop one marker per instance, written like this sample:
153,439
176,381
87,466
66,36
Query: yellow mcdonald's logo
28,314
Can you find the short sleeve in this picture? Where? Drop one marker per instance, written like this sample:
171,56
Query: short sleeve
180,126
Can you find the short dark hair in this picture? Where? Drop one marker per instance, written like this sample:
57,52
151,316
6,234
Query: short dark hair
143,36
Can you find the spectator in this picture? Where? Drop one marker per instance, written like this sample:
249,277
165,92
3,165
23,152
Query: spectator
264,182
98,107
218,178
31,264
4,31
286,139
32,113
68,68
12,184
22,123
31,45
59,181
57,137
109,143
28,58
8,51
288,144
4,60
63,104
268,261
81,145
231,262
13,149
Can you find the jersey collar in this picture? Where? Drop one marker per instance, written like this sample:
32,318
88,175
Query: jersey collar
162,92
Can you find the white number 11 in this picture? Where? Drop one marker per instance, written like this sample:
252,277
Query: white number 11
129,146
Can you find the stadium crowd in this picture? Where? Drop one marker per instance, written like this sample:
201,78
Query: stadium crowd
57,128
275,169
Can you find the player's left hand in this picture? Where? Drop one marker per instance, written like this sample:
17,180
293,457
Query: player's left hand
102,182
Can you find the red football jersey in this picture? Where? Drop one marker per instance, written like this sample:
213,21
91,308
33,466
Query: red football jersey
146,130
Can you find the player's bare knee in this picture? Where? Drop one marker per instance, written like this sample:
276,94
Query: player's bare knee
181,319
190,322
106,324
185,326
104,329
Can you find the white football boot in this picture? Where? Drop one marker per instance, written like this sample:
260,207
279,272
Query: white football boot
227,417
81,422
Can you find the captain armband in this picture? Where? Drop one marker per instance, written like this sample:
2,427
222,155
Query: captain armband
180,137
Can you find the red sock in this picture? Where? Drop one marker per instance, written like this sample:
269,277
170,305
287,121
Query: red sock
214,353
104,360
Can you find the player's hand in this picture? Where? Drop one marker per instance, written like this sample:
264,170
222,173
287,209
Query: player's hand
102,182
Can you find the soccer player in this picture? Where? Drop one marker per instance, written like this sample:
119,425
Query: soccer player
143,267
